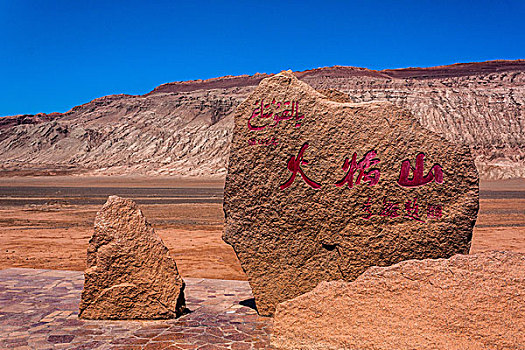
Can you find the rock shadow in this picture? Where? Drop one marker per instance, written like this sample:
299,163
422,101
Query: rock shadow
249,303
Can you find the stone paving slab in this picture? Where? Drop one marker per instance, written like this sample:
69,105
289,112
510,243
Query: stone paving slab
39,310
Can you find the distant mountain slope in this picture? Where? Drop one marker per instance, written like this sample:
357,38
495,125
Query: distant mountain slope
184,128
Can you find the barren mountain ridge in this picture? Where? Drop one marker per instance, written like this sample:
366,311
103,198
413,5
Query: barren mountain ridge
184,128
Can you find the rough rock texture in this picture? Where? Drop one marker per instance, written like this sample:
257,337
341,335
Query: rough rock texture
8,122
336,95
465,302
160,134
184,128
319,190
130,274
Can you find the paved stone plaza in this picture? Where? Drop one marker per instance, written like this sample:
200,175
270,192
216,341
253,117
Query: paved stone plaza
39,310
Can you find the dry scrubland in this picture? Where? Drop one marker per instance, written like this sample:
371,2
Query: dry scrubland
46,222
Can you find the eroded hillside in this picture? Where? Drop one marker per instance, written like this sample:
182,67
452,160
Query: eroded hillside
184,128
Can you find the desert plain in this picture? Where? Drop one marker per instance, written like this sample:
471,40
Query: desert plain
47,221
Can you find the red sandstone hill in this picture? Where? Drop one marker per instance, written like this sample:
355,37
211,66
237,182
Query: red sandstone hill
7,122
450,71
184,128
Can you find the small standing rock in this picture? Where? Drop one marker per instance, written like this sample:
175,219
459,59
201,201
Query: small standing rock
130,274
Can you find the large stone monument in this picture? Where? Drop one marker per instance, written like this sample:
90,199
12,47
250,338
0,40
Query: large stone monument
130,274
319,190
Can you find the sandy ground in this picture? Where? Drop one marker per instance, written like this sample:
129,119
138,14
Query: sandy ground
46,222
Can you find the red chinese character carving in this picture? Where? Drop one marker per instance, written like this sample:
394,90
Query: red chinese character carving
294,165
435,173
389,209
434,211
372,176
412,210
367,207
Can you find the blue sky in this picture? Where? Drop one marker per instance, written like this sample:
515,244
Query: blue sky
58,54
